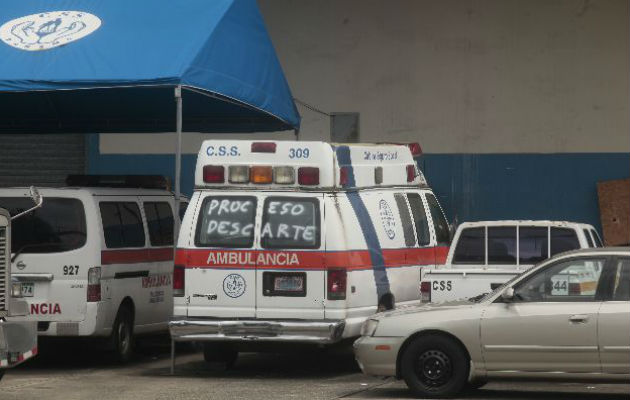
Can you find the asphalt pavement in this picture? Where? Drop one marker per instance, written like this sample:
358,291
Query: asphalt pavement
67,371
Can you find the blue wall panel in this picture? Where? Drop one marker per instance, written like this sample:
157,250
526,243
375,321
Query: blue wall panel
470,186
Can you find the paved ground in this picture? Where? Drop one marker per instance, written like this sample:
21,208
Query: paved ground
66,372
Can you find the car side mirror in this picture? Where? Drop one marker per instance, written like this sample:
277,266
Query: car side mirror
508,295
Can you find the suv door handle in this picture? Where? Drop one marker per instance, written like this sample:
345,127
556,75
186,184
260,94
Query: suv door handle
579,318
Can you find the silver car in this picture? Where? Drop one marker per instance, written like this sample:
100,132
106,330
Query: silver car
568,318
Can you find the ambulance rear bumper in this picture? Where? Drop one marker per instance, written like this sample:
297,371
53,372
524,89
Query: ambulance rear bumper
321,332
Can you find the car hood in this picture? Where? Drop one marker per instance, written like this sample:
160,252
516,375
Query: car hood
443,306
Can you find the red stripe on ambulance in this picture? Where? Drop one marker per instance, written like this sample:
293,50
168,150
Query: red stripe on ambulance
307,260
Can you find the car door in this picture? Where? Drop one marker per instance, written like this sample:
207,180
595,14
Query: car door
551,325
614,321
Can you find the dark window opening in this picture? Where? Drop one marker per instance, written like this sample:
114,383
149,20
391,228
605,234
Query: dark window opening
290,223
502,245
122,224
405,219
226,221
419,218
563,239
160,223
442,233
471,247
533,244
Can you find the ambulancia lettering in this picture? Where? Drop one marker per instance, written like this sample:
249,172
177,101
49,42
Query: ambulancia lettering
248,258
45,308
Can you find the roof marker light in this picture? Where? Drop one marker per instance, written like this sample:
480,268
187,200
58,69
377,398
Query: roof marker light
308,176
260,175
415,148
284,175
213,174
411,172
238,174
263,147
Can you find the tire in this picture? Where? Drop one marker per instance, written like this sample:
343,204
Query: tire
220,353
1,373
474,385
435,366
122,335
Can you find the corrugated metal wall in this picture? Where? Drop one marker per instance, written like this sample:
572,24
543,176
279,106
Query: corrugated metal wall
41,160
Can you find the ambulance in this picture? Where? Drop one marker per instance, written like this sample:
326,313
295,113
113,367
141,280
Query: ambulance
95,259
287,241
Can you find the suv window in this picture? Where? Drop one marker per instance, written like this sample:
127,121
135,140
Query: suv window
502,245
58,225
589,241
442,233
122,224
419,218
563,239
160,223
405,219
573,280
471,247
290,223
226,221
533,245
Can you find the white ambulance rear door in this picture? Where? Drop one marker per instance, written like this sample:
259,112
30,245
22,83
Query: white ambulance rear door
290,271
221,263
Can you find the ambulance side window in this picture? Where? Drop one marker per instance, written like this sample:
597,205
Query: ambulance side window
290,223
405,219
226,221
122,224
419,218
160,223
442,233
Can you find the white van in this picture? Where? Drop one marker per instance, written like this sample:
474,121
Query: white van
95,261
301,241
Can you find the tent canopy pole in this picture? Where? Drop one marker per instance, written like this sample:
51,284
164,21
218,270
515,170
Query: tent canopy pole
178,154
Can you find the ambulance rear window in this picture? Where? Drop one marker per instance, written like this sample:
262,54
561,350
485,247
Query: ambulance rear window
290,223
226,221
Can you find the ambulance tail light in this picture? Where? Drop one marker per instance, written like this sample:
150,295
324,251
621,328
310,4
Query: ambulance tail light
214,174
179,276
263,147
94,284
308,176
284,175
425,291
343,176
411,172
238,174
260,175
416,149
337,282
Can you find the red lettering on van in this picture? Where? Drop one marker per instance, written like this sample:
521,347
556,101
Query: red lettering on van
46,308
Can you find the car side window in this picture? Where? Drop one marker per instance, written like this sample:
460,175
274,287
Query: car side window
471,247
502,245
563,239
574,280
442,232
160,223
122,224
596,238
587,235
419,218
405,219
621,280
533,244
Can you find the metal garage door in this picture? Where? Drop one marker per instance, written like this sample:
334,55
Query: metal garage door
41,160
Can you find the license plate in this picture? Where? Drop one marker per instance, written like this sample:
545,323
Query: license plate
288,283
28,288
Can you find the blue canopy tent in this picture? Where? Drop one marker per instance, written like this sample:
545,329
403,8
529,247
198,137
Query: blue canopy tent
87,66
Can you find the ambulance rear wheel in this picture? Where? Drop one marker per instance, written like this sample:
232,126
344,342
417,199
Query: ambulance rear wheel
122,335
220,353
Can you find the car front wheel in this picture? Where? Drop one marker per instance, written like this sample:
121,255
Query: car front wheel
435,366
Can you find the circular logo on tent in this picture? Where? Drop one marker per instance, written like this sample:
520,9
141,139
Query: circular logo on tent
48,30
387,217
234,285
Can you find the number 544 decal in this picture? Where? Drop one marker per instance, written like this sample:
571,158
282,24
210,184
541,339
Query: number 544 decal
71,270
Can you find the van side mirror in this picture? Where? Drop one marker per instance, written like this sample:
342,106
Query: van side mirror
37,199
508,295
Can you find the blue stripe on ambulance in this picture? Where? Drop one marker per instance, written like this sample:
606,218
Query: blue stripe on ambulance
367,228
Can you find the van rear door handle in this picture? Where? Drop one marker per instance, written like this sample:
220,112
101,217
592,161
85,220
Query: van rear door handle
579,318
